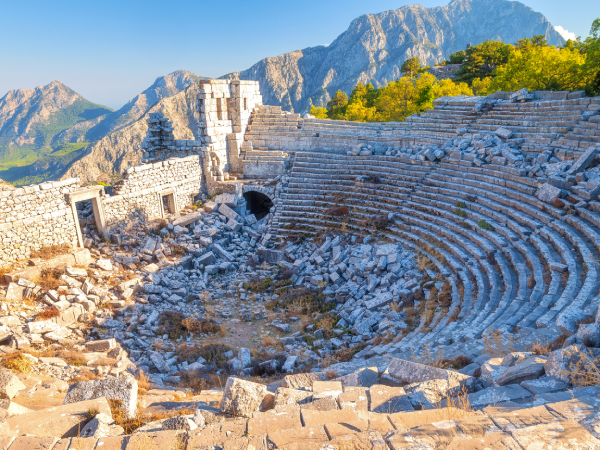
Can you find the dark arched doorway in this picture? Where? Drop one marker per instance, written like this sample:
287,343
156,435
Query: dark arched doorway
258,203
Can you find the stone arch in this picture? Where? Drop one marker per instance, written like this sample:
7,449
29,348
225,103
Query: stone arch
259,201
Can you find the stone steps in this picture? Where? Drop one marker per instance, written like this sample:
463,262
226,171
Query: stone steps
526,240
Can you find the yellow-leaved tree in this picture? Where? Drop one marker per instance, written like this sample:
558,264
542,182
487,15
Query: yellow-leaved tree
319,112
540,68
410,95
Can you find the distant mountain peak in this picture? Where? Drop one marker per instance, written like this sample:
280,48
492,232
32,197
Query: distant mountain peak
374,47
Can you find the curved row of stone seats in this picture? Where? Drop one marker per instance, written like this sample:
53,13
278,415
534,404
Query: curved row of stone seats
561,125
525,243
298,209
583,255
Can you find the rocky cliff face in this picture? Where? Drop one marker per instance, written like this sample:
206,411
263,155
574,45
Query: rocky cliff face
375,46
45,129
122,148
163,87
31,118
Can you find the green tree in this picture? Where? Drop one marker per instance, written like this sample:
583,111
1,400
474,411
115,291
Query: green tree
591,47
538,40
481,60
457,57
411,66
336,107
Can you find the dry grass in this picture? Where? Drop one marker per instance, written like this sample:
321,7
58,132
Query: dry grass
48,313
51,251
584,369
497,345
543,349
48,279
17,362
458,407
72,357
3,271
130,424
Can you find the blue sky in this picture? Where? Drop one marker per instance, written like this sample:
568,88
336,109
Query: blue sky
110,51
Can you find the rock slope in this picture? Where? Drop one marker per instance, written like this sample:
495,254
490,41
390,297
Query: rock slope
374,47
122,148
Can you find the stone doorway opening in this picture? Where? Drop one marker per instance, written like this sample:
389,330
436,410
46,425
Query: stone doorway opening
89,215
258,204
169,204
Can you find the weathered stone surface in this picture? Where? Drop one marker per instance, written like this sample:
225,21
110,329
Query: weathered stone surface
544,384
10,385
529,369
305,438
560,362
311,418
286,396
412,372
267,422
217,433
242,398
123,389
589,334
387,399
103,345
354,397
365,377
495,395
548,193
60,421
559,435
511,416
303,380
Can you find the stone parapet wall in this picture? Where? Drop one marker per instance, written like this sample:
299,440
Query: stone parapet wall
140,190
34,217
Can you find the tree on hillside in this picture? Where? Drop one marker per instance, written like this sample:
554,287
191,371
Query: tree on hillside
481,60
541,69
457,57
410,95
319,112
591,48
538,40
411,66
336,107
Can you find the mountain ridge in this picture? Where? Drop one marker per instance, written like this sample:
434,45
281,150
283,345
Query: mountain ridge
374,47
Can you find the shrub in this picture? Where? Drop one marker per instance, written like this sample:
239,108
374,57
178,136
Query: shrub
378,222
48,313
51,251
17,362
460,212
460,204
485,226
308,300
337,212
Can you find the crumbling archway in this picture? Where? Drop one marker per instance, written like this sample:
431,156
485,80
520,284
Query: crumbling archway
258,203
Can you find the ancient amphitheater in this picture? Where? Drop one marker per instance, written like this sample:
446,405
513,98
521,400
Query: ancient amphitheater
457,253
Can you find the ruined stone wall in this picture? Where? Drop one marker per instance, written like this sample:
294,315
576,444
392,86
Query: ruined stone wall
34,217
224,109
139,193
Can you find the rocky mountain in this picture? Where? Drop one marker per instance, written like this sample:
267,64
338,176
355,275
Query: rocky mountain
122,148
32,119
45,129
374,47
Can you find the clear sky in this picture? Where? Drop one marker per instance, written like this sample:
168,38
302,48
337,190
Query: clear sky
109,51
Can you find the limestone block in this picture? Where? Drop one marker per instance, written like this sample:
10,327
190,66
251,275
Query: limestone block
14,292
566,434
286,396
299,438
121,388
10,385
242,398
387,399
589,334
227,212
544,385
412,372
494,395
503,133
548,193
561,361
529,369
60,421
268,422
365,377
303,380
